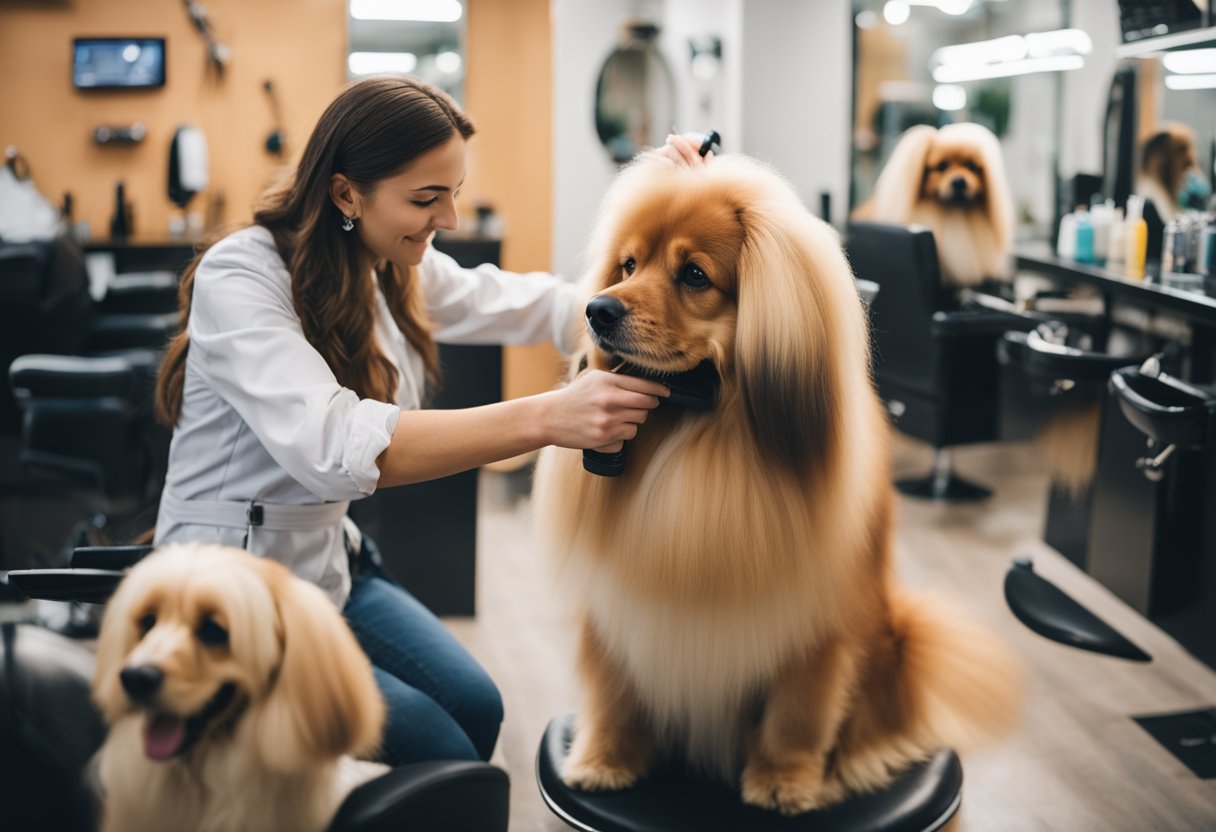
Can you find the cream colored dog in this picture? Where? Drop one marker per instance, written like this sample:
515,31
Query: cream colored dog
952,181
233,691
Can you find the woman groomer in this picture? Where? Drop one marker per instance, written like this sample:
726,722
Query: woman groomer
294,387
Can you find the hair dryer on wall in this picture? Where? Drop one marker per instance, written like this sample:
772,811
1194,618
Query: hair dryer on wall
188,164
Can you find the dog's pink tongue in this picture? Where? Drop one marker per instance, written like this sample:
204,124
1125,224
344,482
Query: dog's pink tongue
164,736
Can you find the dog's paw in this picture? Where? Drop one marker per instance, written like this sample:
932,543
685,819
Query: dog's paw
789,789
598,776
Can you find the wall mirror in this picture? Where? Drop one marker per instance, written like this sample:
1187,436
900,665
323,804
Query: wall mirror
940,61
635,94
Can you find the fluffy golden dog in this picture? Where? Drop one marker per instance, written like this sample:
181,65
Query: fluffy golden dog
232,690
738,605
1166,160
951,181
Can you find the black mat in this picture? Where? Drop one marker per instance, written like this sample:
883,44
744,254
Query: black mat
1190,736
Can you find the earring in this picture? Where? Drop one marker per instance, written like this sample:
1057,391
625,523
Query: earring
347,223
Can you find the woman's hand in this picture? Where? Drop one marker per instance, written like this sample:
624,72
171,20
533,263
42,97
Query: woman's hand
685,150
599,410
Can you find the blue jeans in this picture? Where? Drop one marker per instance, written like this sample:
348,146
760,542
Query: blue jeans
441,704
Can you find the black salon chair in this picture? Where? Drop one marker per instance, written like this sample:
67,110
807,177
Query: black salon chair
49,731
44,307
88,431
1049,383
934,360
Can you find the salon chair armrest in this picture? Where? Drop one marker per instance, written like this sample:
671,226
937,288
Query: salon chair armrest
453,795
975,322
108,557
123,331
72,377
140,293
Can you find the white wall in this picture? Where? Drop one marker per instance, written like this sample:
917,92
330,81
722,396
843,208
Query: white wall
797,93
1085,90
784,95
583,36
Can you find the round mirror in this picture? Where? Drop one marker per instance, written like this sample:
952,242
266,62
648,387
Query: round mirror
635,95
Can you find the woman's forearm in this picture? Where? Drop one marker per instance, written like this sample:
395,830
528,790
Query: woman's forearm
428,444
596,410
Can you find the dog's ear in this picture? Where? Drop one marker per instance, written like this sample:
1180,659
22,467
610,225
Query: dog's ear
113,644
801,343
898,187
323,702
997,196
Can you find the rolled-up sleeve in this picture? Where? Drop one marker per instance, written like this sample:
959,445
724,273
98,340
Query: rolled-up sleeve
247,344
486,305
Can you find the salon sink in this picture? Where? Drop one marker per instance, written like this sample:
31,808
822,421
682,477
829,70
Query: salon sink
1163,408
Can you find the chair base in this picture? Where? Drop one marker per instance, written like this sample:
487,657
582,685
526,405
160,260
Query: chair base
955,489
943,484
922,799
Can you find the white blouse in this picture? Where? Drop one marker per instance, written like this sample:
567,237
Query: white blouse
264,419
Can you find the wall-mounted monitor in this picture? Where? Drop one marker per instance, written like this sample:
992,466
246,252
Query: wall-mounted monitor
118,63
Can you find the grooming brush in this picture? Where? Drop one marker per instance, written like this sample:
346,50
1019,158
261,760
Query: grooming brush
696,388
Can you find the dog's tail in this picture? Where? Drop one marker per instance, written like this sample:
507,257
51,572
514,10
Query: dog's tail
938,681
960,685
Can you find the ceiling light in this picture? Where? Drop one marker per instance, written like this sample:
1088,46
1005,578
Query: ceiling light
957,73
430,11
896,12
1191,61
1190,82
375,63
949,97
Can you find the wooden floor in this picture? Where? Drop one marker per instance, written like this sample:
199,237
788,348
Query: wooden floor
1079,762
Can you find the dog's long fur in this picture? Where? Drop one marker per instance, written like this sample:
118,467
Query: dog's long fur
974,226
304,696
738,607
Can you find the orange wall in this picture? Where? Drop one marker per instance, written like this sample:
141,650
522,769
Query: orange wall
509,95
299,44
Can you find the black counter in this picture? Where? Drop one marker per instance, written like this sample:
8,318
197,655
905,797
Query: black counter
1197,303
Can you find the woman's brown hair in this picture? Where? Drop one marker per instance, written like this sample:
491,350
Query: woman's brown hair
371,131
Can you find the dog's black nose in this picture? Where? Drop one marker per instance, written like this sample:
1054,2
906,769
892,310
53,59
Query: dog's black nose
604,312
958,184
141,683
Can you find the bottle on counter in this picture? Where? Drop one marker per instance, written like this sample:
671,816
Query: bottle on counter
1135,238
1115,246
1085,236
1066,241
1102,215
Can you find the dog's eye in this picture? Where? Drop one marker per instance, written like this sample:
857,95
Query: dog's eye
971,166
691,275
146,622
629,265
212,634
940,167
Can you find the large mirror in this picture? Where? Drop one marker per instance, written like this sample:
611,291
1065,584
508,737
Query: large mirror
635,94
423,38
923,62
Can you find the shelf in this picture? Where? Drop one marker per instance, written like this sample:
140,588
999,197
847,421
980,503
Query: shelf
1166,43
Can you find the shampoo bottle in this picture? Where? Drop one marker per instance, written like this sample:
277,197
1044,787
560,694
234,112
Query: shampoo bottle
1135,238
